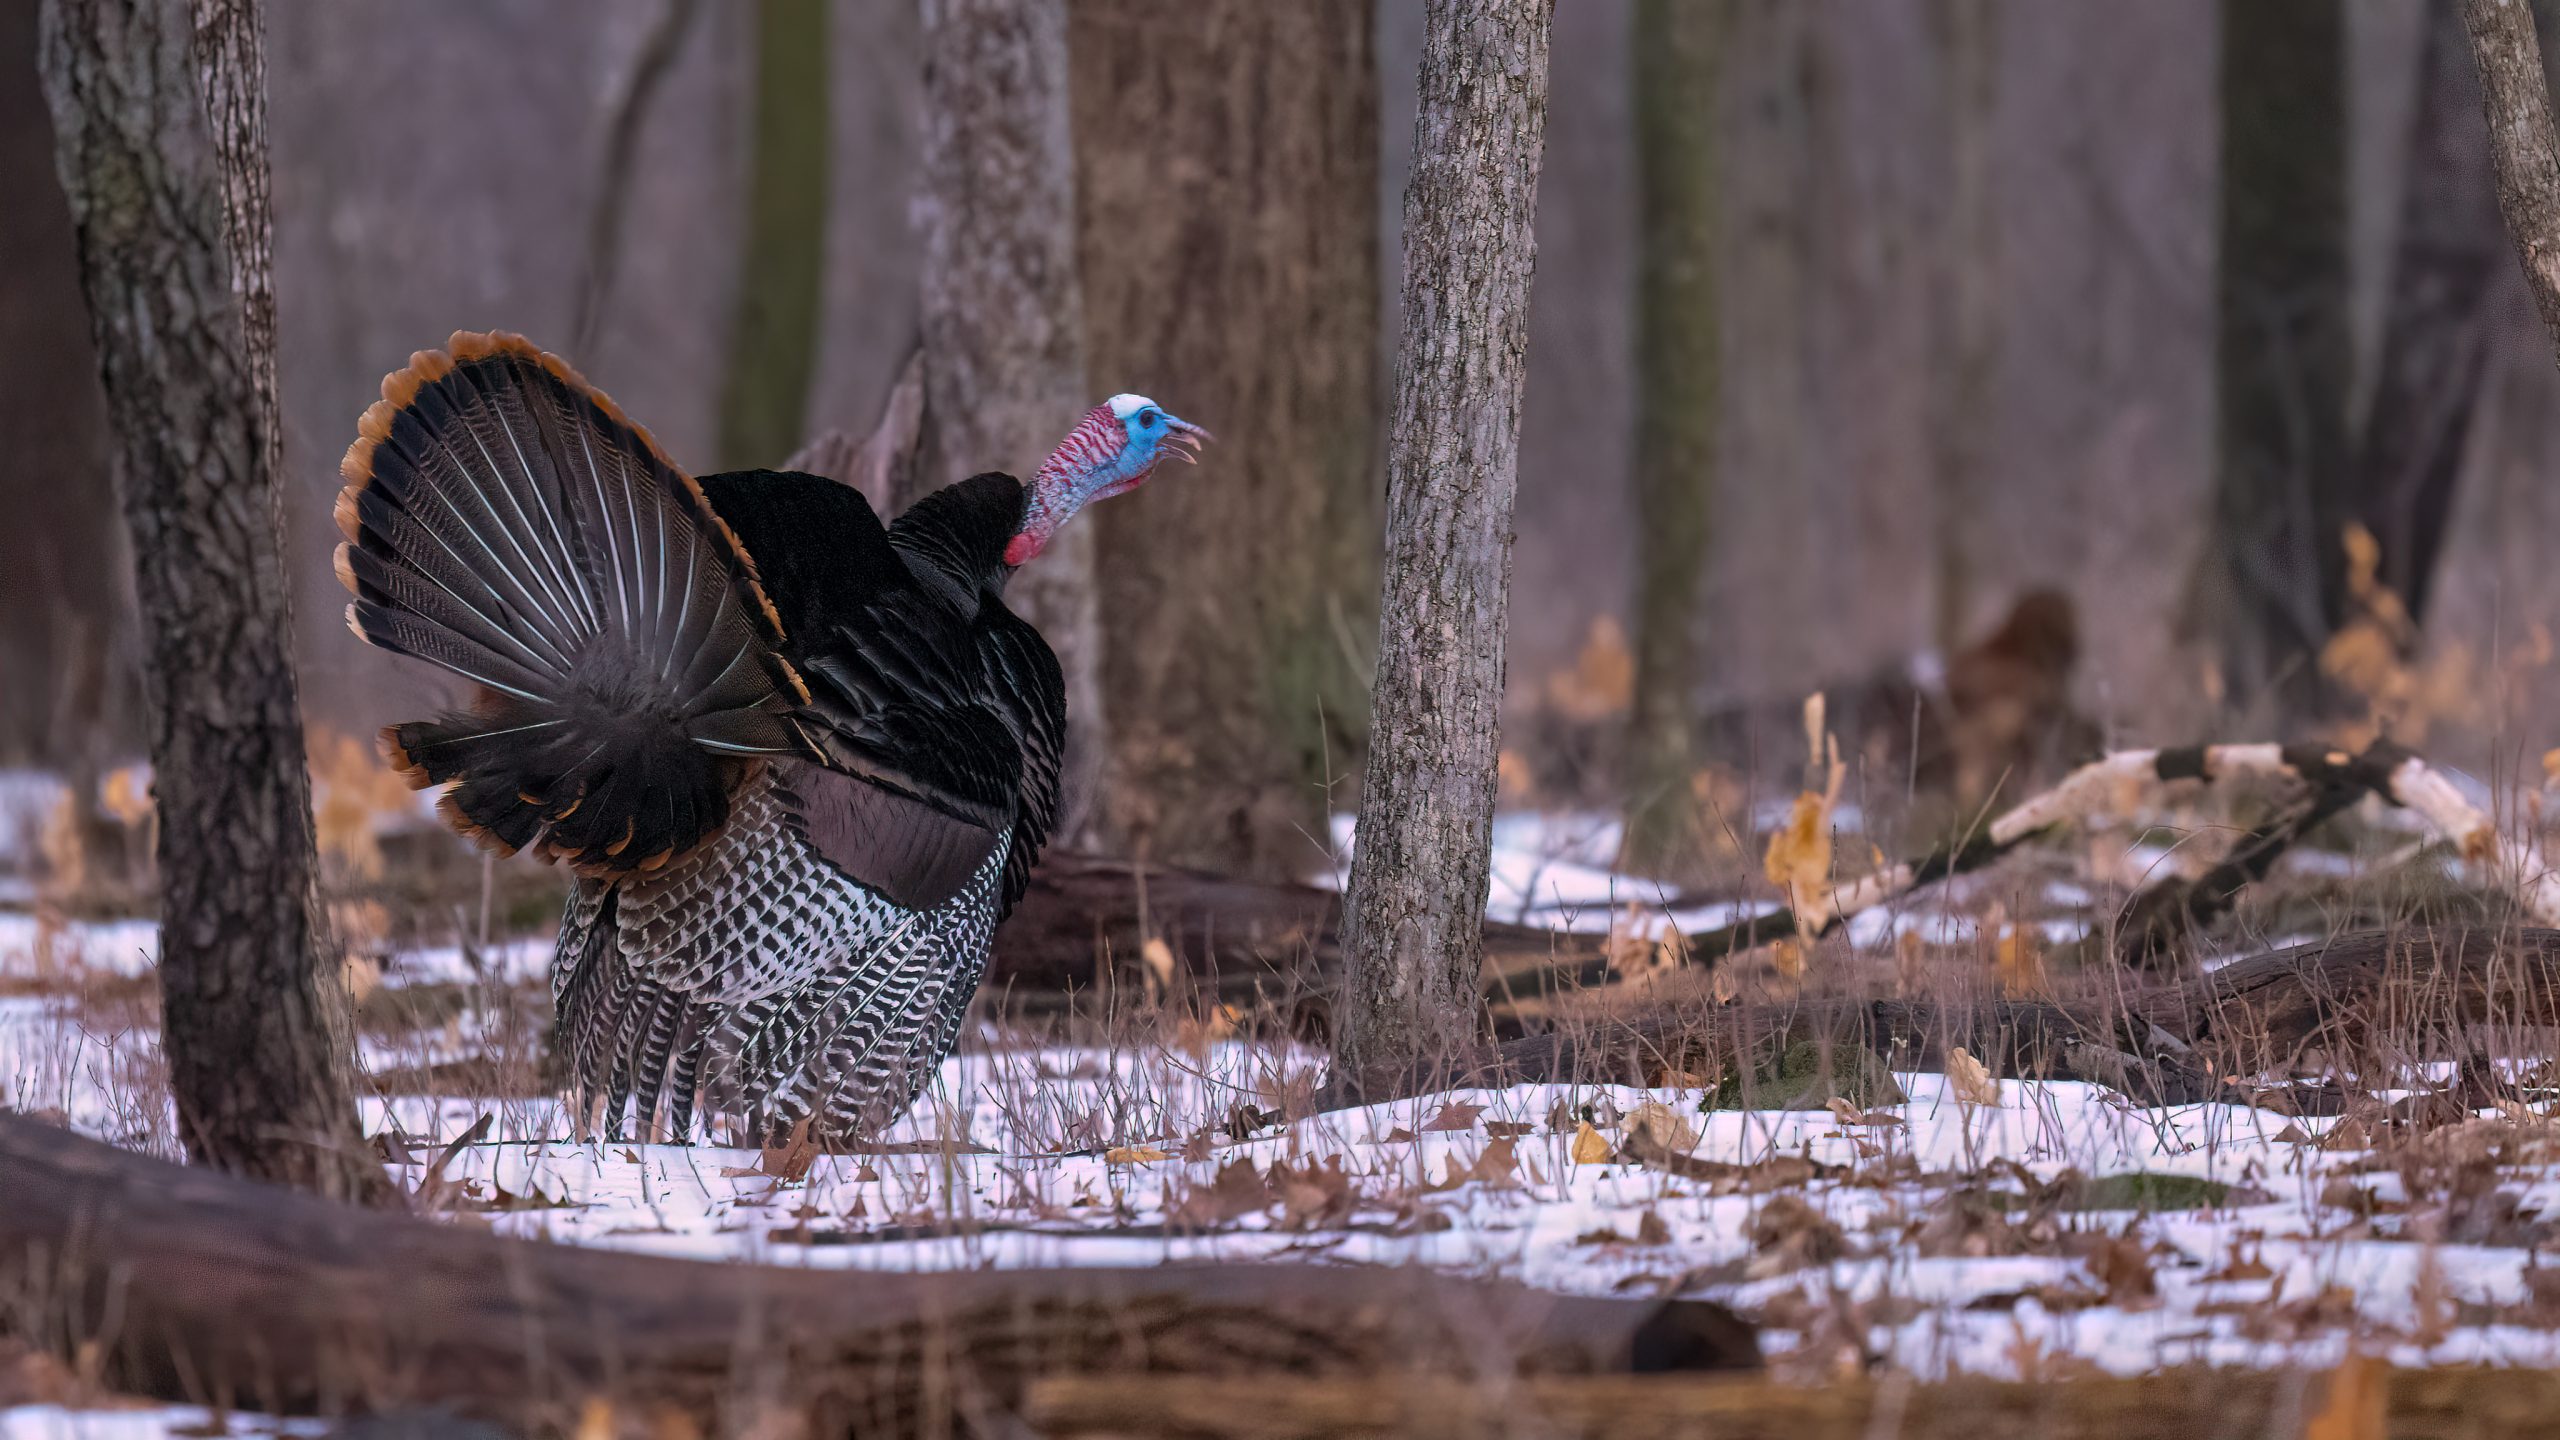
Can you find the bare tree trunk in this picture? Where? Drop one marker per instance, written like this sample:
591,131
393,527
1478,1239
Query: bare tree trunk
1003,317
1967,303
773,339
1678,339
2273,570
160,117
1227,174
2517,103
2435,343
1414,912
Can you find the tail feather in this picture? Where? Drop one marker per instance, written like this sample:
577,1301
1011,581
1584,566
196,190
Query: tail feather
507,523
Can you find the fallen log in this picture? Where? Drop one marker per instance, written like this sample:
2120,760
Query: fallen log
2364,1001
1081,933
2362,1399
193,1286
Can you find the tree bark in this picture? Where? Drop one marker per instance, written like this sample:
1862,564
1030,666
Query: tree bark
1003,311
1227,181
1414,911
2517,105
2274,566
2435,342
773,336
156,114
196,1287
1678,339
1966,312
2175,1404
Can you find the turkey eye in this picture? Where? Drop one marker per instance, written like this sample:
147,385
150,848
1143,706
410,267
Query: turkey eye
1149,419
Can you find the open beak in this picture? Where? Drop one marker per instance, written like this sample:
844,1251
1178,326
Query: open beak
1186,439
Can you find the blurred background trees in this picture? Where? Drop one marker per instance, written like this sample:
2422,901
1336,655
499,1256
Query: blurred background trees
2116,311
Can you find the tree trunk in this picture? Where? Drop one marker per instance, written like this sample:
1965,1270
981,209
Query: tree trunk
2435,343
2274,566
2517,104
773,337
1003,318
1414,912
197,1287
1226,164
151,110
1678,338
1966,312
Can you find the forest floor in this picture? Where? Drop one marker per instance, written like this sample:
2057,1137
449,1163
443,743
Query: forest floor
1953,1224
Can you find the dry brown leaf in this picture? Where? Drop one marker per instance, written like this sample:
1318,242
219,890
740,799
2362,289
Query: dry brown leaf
1849,1114
1133,1155
1602,682
2352,1402
1661,1125
791,1159
1971,1082
1158,958
1456,1115
1590,1147
2019,962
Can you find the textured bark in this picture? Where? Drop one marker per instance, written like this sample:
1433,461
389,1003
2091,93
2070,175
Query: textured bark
2274,562
1227,185
773,337
2177,1404
1676,49
2517,105
151,112
2435,342
1414,911
1003,311
194,1286
1966,315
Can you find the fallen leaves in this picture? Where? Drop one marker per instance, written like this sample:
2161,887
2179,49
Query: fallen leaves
1658,1124
1971,1083
1798,860
1590,1147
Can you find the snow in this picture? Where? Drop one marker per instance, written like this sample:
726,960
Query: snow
1040,1155
54,1422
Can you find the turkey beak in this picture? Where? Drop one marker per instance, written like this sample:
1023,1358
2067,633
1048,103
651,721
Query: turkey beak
1186,439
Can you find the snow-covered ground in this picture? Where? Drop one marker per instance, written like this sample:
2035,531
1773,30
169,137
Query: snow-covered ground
2058,1230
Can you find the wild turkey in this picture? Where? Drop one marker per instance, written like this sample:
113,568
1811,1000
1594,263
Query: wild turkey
800,763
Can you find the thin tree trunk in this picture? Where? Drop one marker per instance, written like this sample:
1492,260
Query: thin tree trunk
160,116
773,338
2517,104
1678,338
1414,912
1227,174
2274,567
2435,343
1967,300
1003,316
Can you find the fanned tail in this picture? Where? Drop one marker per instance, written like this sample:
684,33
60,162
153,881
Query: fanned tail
506,522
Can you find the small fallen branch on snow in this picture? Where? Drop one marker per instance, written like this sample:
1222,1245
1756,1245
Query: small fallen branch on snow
2334,779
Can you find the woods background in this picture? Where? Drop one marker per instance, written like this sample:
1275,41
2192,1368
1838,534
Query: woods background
1907,196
